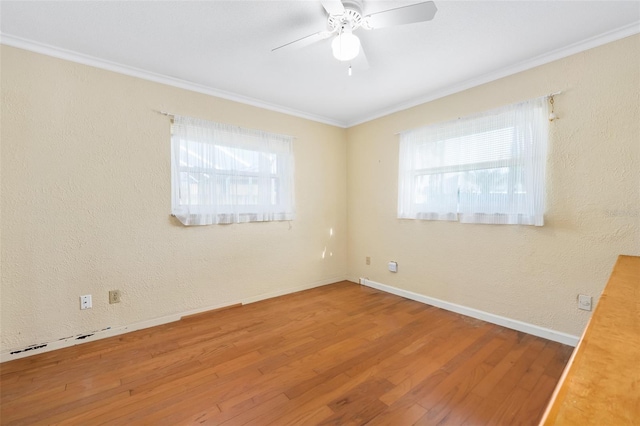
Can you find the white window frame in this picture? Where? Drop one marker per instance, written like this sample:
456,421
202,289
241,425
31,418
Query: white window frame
225,138
525,124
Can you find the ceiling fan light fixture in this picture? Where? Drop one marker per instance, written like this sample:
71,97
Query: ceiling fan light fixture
345,46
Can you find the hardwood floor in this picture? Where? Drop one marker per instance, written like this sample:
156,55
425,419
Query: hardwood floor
341,354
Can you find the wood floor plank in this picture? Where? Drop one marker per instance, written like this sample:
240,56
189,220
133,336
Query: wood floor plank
350,406
533,373
407,414
263,388
244,413
78,415
457,385
429,375
490,382
516,371
509,407
531,408
463,411
338,354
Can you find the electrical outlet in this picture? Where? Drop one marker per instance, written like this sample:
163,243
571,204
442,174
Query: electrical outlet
114,296
367,260
85,302
584,302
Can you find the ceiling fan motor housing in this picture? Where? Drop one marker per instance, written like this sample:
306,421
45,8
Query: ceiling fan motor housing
352,15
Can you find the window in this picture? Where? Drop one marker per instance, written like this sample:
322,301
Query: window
227,174
486,168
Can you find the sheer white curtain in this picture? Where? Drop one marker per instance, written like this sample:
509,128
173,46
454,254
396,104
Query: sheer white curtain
485,168
228,174
432,196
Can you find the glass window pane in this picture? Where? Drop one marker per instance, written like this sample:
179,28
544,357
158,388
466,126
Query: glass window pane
241,160
237,190
494,145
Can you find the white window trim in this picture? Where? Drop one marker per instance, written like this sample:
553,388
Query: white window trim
222,135
532,147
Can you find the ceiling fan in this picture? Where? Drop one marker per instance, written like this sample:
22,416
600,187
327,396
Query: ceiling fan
346,16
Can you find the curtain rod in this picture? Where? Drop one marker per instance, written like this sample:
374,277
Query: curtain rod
550,95
172,116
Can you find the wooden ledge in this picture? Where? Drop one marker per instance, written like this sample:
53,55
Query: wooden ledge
601,383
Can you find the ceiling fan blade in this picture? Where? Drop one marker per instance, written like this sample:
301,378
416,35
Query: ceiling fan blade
360,62
420,12
333,7
303,42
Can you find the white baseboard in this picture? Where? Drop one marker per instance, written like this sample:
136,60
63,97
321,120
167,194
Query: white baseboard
83,338
534,330
110,332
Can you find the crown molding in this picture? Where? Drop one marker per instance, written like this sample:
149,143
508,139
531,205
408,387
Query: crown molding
581,46
92,61
599,40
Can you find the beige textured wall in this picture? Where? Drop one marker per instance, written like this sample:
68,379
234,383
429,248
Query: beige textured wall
525,273
86,202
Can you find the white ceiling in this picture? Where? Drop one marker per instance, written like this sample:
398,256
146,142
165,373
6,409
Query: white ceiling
224,47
